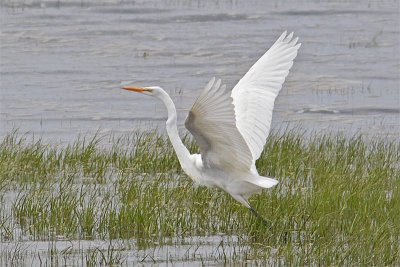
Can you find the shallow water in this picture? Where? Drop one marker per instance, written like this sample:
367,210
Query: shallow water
62,63
190,251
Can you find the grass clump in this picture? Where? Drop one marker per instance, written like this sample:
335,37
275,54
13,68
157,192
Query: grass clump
337,202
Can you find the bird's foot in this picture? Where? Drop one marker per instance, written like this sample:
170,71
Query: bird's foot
262,219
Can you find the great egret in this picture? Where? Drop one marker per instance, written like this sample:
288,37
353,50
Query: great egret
231,127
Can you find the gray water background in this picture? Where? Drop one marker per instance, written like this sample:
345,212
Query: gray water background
62,62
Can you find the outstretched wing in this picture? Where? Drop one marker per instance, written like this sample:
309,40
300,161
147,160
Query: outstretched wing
212,123
254,95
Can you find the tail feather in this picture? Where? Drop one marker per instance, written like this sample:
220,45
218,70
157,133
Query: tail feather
264,182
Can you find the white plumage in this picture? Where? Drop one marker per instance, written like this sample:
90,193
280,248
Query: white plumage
254,95
231,127
212,123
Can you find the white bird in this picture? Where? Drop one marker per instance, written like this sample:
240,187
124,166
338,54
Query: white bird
231,127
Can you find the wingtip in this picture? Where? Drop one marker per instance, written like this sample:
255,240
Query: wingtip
217,84
211,82
283,35
294,41
289,37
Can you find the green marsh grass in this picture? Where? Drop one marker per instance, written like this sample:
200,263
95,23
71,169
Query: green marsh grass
337,202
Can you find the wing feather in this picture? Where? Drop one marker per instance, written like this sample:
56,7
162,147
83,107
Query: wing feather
212,123
255,94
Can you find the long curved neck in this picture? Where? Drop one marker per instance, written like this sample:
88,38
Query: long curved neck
181,151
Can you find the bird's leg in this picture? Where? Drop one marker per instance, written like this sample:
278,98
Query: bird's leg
261,218
246,203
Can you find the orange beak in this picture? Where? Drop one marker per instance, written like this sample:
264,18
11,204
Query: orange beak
135,89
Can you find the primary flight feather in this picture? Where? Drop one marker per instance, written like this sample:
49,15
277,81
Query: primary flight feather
231,127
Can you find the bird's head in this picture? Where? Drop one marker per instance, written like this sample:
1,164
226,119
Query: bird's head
150,90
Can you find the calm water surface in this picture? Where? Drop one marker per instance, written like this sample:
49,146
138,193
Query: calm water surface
62,63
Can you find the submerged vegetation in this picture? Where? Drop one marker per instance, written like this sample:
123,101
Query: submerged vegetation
337,203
